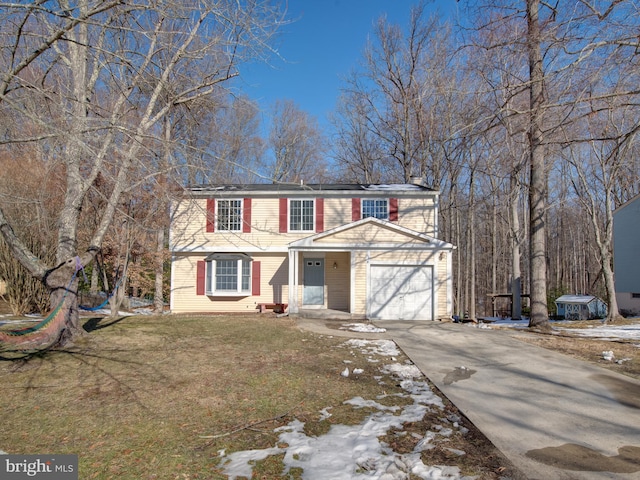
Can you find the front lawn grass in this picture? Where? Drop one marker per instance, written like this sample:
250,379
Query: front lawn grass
158,397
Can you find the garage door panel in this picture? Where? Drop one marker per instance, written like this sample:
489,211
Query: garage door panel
401,292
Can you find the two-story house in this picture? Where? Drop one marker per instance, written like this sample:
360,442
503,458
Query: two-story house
368,250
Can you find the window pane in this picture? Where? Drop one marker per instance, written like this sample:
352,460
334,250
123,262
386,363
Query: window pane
307,215
230,215
208,277
301,215
375,209
295,215
246,275
227,275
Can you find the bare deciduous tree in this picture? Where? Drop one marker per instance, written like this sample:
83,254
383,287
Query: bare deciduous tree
296,145
98,78
357,150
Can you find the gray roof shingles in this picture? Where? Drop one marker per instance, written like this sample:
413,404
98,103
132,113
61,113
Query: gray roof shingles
317,187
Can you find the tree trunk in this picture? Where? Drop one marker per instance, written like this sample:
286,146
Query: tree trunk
158,300
516,276
613,313
118,298
62,283
94,280
472,249
537,189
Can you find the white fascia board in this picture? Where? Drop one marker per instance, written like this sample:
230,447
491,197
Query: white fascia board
231,249
342,247
431,242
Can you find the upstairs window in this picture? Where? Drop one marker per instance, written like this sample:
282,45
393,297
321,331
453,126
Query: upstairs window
229,215
376,208
301,216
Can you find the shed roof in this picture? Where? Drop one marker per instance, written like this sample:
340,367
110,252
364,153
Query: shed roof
576,299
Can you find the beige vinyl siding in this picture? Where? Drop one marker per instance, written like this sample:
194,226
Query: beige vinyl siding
441,287
183,294
189,224
368,234
337,281
360,288
273,286
337,211
265,226
417,214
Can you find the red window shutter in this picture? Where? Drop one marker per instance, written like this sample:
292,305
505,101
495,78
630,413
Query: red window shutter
393,209
356,211
211,214
255,278
246,216
201,272
319,215
283,215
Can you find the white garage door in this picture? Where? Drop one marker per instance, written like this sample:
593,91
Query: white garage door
401,292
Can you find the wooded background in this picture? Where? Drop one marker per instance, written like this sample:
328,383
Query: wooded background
525,117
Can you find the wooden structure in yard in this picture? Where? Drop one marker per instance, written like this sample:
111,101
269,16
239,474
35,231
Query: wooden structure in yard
502,304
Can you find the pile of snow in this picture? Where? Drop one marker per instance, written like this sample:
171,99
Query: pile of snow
609,356
386,348
362,327
355,451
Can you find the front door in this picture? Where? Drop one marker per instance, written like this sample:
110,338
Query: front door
313,291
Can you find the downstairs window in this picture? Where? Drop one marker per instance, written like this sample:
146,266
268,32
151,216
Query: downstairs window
228,274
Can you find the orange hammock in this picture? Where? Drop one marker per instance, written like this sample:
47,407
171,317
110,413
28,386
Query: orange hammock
36,337
42,335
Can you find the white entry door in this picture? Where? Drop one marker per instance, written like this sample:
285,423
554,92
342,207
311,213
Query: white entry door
401,292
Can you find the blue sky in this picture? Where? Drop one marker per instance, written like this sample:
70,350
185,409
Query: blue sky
322,45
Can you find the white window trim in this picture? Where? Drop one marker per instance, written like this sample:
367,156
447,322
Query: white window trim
313,215
217,228
210,278
362,200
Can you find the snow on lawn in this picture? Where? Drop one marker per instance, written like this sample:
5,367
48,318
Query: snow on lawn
608,332
355,451
362,327
598,330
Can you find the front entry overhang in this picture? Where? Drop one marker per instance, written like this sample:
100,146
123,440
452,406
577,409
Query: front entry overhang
368,235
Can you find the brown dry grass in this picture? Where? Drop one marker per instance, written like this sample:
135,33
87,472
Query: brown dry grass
626,352
141,397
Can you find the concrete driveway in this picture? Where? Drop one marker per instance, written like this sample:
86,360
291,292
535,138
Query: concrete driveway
553,416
